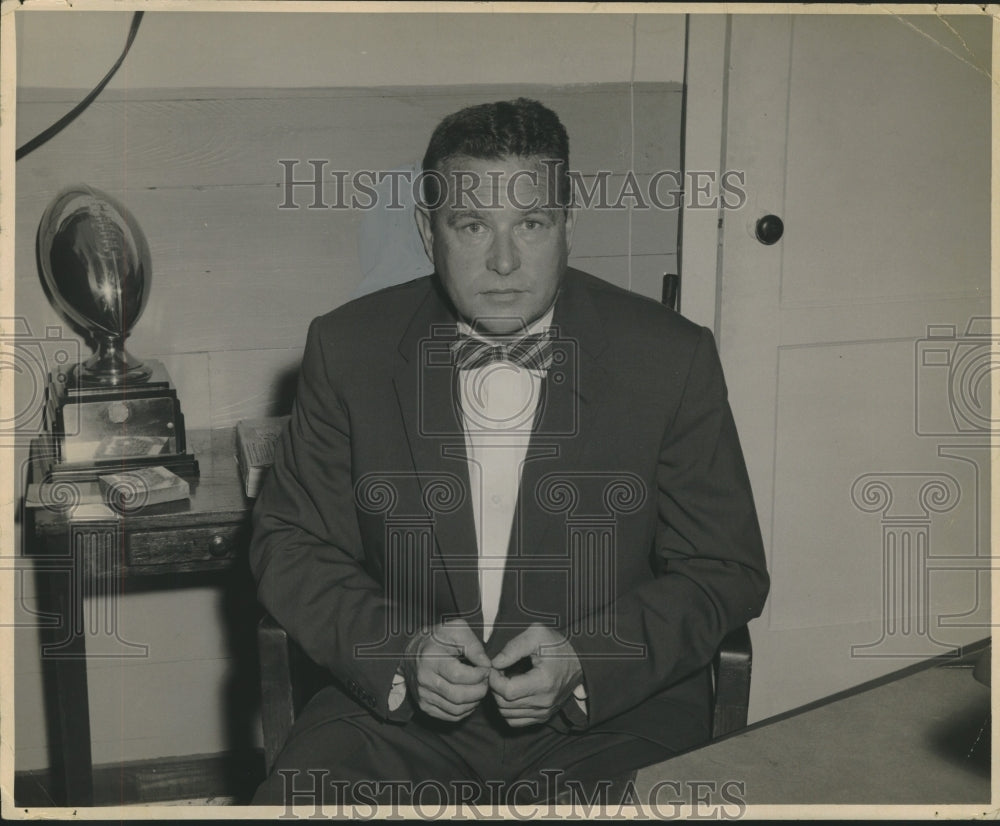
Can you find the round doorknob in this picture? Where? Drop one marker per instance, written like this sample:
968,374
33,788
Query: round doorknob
769,229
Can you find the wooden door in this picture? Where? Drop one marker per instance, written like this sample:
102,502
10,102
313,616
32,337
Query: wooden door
857,347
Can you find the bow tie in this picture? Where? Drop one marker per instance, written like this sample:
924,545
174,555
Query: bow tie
533,352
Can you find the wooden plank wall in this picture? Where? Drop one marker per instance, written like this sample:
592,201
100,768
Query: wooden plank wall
236,281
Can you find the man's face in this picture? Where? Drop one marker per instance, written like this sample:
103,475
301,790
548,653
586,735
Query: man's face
498,243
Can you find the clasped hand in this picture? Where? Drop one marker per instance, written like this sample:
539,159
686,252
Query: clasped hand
449,673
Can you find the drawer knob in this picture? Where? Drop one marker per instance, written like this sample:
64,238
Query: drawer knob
218,546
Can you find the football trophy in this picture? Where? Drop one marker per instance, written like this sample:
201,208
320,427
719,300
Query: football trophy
111,412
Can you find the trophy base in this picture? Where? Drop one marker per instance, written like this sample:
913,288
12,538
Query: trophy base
54,470
97,430
88,376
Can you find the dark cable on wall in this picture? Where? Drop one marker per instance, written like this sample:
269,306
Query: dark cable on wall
69,117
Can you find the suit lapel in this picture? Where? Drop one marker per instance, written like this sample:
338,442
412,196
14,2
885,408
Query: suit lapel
425,390
567,431
568,425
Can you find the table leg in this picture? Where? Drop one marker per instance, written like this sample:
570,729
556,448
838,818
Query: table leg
64,663
87,605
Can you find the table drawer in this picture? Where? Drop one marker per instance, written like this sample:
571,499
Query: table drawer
180,546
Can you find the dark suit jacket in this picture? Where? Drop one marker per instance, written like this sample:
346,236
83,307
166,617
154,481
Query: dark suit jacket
635,531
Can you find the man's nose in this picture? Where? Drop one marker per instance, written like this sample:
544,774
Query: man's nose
503,257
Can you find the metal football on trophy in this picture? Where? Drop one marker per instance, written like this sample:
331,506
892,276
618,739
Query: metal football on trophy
111,412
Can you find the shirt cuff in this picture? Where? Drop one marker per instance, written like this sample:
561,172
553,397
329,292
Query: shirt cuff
398,691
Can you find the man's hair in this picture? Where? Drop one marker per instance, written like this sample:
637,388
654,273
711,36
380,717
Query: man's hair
521,128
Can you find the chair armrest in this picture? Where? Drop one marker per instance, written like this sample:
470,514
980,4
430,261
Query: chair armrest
277,707
731,669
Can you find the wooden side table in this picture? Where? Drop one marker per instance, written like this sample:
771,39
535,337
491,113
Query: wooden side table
77,555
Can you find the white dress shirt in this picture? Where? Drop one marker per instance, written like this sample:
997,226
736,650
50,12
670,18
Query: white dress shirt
499,402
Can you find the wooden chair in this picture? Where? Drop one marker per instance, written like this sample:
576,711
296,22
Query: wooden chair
288,678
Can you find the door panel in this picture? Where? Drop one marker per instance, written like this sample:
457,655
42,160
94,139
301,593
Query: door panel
896,206
847,344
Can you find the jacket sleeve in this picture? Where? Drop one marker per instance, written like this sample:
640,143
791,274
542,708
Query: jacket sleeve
306,552
710,575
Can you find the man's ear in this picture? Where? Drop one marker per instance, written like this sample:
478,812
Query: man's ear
425,226
570,226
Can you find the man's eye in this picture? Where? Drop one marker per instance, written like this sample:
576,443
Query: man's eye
473,228
533,224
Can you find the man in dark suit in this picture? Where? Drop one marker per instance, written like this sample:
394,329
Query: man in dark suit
510,513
